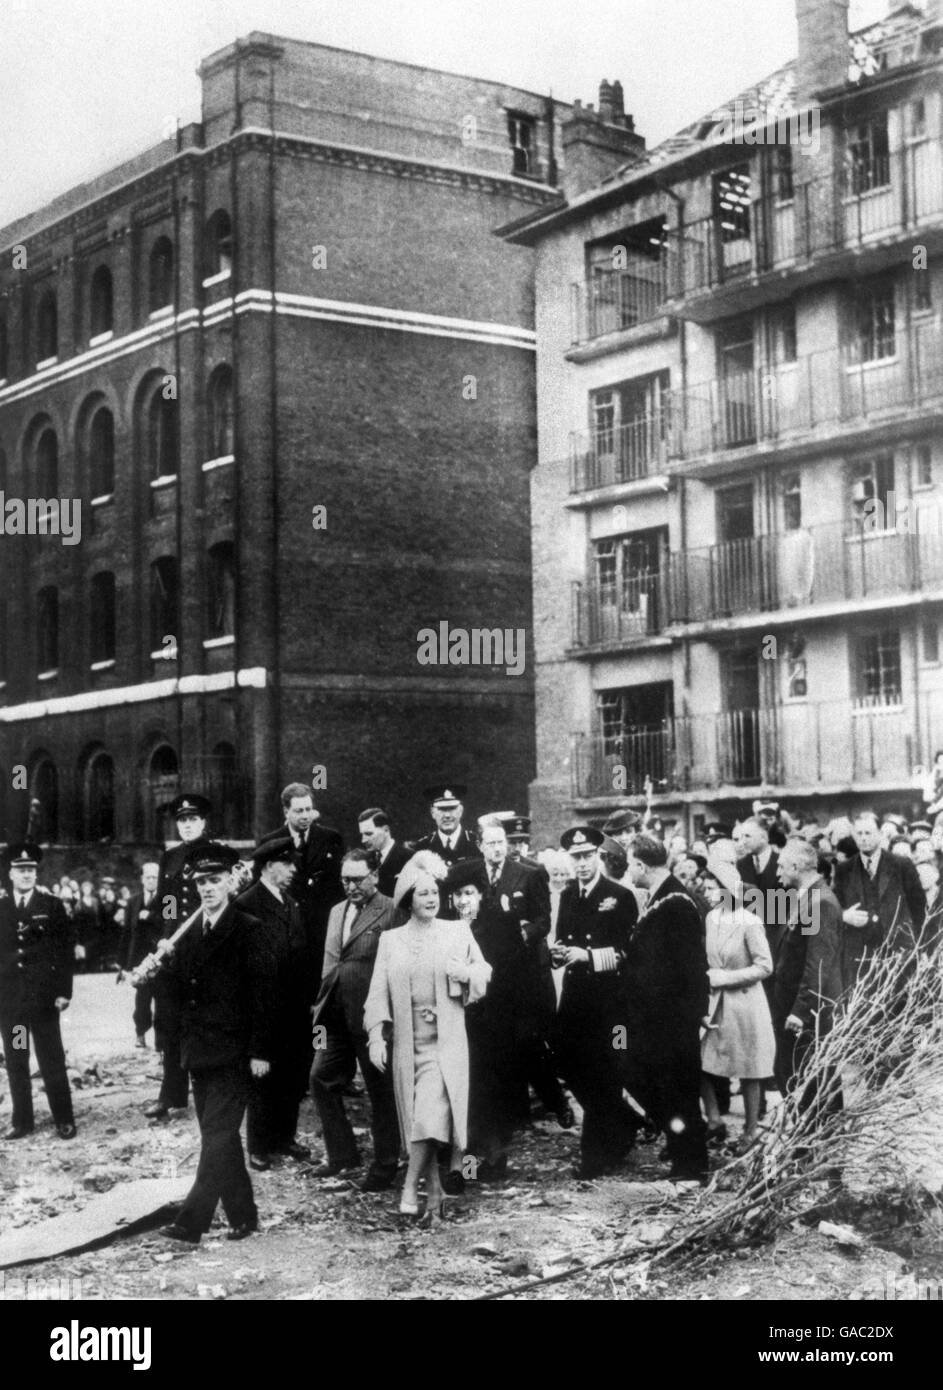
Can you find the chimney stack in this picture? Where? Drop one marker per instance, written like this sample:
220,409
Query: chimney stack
596,143
823,47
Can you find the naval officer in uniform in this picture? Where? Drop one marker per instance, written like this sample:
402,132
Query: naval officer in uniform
594,926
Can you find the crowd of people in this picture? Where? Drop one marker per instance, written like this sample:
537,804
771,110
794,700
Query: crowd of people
625,969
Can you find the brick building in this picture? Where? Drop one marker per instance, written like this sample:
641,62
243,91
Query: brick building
297,303
740,382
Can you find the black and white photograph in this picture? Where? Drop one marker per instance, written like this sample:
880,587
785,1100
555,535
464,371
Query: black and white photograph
471,663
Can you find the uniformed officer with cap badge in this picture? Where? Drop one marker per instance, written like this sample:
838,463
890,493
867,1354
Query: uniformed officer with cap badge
176,899
517,829
594,924
450,841
36,962
222,979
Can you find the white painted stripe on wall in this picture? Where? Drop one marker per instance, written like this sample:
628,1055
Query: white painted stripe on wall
252,677
260,301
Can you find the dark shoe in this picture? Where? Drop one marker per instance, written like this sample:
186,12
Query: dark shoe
140,1040
688,1173
493,1172
176,1232
18,1132
157,1110
261,1163
296,1151
453,1184
66,1131
333,1170
565,1117
248,1228
716,1135
379,1180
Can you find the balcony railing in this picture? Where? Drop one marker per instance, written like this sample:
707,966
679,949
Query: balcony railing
832,744
783,403
896,194
831,563
614,300
614,615
621,454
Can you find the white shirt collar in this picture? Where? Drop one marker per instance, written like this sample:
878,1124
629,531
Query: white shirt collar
584,890
273,890
762,859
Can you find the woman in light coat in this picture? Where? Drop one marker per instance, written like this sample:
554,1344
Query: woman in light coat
425,974
738,1037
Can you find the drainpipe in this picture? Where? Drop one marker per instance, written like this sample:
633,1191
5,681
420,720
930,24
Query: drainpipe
682,495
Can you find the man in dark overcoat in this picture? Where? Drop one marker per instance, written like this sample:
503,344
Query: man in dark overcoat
274,1099
666,1001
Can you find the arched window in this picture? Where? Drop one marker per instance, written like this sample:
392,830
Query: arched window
101,302
44,799
103,617
217,245
165,603
163,785
4,348
160,281
161,435
46,464
219,414
47,326
101,453
47,629
98,797
221,592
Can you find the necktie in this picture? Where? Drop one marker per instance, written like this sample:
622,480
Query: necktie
495,875
349,921
872,866
207,927
756,864
20,902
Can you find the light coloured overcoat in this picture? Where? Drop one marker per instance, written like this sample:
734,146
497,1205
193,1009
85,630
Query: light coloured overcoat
390,1001
740,1040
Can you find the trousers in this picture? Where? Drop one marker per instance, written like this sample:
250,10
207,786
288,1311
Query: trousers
42,1027
220,1095
333,1069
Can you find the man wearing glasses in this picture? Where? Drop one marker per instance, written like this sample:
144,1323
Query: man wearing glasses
340,1042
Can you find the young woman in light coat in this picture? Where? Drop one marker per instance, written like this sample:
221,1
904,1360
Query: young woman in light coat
425,974
738,1037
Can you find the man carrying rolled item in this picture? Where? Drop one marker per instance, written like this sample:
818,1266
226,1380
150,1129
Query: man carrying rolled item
220,976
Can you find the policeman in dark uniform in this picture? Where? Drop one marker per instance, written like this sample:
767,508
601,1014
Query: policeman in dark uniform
177,897
37,953
220,974
594,926
449,840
